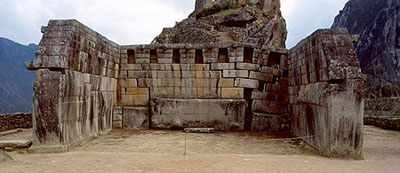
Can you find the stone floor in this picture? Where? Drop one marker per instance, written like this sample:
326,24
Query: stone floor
163,151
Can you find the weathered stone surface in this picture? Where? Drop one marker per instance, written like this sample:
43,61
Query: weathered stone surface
223,66
136,117
328,108
261,76
232,93
269,122
247,66
235,73
246,83
15,144
219,114
10,132
198,130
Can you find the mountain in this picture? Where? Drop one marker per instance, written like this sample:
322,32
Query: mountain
377,22
16,83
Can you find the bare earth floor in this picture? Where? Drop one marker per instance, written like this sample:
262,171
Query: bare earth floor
162,151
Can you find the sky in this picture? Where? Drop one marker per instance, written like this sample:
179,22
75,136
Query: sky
139,21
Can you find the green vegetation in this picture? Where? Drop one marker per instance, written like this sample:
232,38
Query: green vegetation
216,9
227,12
396,117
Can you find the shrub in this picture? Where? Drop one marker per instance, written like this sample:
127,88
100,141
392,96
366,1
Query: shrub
216,8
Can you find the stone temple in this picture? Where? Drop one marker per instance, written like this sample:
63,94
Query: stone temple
87,85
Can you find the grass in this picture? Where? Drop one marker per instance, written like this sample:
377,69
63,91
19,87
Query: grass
216,8
227,12
396,117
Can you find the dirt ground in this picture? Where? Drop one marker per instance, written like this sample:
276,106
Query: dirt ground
163,151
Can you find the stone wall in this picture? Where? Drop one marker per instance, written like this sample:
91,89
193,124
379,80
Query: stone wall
86,85
172,79
76,84
326,87
15,121
382,107
383,122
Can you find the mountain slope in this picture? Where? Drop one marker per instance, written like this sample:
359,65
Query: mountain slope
377,22
16,83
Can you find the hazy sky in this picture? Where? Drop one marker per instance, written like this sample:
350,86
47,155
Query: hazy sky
139,21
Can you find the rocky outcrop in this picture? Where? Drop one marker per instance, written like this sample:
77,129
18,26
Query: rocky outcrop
259,22
377,23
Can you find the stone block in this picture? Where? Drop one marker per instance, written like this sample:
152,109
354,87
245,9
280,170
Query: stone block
247,66
266,122
227,114
128,83
208,93
232,93
138,91
225,83
140,100
117,124
136,118
261,76
235,73
222,66
246,83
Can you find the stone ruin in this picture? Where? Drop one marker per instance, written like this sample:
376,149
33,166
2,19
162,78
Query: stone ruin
87,85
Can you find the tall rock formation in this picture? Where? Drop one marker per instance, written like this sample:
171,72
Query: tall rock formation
252,21
377,22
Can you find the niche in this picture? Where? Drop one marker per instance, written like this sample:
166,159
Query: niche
131,56
199,56
248,55
176,56
223,55
153,56
274,59
261,86
89,64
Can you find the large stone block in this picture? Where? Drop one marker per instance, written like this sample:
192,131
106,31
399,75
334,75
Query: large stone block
136,118
247,66
226,83
246,83
235,73
268,122
232,93
223,66
226,114
261,76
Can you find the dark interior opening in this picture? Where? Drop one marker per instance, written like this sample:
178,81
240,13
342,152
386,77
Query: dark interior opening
274,59
249,114
261,86
176,56
89,64
336,81
285,73
98,66
248,55
199,56
275,80
131,56
223,55
153,56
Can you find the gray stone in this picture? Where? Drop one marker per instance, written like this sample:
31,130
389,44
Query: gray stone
136,117
227,114
15,143
198,130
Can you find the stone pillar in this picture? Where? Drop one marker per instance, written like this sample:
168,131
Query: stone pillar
326,93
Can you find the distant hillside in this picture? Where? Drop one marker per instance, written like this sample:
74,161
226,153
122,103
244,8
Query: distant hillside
16,83
378,24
